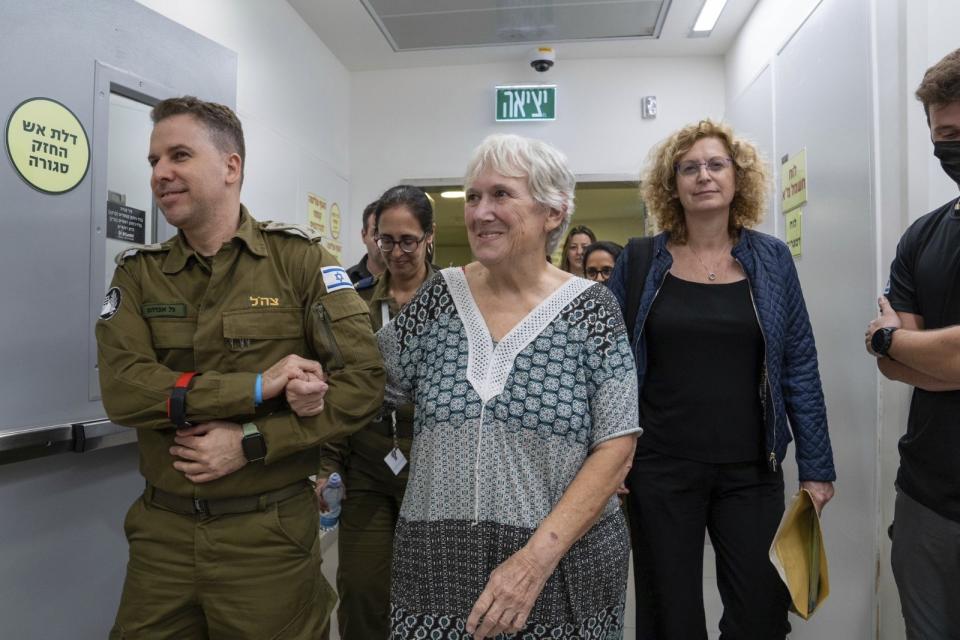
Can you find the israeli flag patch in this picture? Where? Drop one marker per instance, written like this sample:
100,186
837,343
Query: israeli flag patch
335,278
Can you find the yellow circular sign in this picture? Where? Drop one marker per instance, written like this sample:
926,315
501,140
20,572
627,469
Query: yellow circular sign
47,145
335,221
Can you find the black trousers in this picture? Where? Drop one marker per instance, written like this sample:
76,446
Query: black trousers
672,502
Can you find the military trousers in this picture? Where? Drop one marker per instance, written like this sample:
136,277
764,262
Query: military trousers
252,575
365,550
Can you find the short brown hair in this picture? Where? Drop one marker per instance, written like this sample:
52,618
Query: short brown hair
221,123
941,83
659,182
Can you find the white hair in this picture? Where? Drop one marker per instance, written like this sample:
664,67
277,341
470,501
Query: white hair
549,179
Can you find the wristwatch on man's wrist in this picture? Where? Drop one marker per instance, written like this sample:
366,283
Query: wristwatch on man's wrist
254,446
881,340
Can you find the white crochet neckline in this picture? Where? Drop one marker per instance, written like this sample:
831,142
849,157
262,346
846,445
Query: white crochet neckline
488,366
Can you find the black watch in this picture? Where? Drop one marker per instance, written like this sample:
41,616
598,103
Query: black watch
254,446
881,340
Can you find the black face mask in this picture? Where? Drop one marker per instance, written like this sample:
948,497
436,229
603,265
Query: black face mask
948,152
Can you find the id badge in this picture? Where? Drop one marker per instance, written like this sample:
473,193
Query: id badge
396,461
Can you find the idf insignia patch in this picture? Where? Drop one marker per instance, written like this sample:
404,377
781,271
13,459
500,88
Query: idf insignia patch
336,278
111,303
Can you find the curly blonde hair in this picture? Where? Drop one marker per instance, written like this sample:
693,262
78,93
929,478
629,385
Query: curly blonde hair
659,181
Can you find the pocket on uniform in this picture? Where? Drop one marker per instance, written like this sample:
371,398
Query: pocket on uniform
298,520
130,520
344,321
266,335
263,324
172,333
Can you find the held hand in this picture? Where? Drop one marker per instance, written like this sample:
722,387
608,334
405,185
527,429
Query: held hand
821,492
886,318
289,368
208,451
508,598
305,394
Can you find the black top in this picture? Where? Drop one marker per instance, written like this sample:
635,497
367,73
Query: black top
700,400
925,280
359,271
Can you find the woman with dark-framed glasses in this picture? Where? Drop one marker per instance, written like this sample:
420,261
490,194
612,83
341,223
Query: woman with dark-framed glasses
725,355
599,259
373,462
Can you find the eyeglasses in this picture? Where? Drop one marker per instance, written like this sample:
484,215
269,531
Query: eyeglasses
596,274
408,244
691,168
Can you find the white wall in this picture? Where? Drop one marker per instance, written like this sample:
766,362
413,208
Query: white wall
800,76
423,123
771,24
293,97
911,36
930,34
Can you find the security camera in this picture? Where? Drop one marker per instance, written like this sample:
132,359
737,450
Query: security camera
543,58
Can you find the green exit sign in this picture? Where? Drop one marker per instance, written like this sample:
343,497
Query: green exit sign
526,103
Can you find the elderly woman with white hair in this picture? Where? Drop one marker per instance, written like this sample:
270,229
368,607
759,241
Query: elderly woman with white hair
523,383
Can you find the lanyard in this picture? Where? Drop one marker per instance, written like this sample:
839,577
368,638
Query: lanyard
385,317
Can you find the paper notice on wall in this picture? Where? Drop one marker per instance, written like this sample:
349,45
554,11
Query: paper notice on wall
317,213
326,221
793,181
794,234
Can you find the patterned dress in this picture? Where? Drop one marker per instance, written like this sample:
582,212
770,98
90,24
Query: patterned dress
500,431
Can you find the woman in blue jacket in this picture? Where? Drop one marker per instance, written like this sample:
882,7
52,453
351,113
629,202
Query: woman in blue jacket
725,357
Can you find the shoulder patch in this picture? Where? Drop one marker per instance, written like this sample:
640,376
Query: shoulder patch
365,283
111,303
129,252
336,278
303,231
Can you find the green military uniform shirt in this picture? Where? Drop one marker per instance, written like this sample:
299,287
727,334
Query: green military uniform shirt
230,317
369,446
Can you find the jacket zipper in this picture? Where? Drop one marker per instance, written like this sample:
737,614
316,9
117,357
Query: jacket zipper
643,320
335,355
772,454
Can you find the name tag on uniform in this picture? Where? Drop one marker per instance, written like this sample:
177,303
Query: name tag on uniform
164,310
396,461
335,278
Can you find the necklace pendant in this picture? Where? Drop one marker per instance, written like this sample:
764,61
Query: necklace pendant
711,276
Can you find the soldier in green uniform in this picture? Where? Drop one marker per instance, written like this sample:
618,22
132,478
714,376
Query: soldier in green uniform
373,461
236,349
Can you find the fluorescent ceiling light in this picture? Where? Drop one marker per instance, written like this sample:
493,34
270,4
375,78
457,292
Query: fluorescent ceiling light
709,14
452,194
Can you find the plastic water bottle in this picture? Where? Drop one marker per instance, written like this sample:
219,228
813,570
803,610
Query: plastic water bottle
332,495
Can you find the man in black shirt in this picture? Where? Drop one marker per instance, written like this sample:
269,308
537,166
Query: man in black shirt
917,341
371,264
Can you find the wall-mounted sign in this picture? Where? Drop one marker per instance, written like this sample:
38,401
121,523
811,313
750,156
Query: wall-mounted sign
317,213
526,103
793,181
327,223
126,223
47,145
794,220
332,243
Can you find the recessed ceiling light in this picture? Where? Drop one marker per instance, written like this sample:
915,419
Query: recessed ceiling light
452,194
709,14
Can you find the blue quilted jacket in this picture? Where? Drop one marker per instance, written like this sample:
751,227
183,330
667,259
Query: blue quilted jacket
792,387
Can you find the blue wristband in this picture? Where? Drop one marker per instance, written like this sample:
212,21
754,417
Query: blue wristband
258,390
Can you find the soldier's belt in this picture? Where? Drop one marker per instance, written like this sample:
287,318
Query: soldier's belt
220,506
